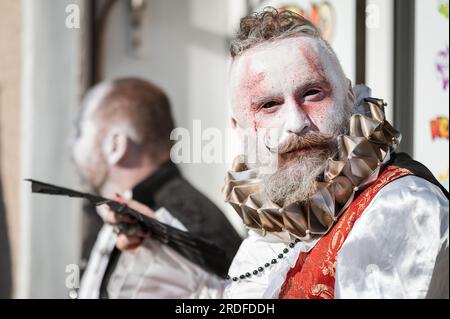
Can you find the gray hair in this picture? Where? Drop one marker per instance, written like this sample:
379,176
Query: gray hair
269,25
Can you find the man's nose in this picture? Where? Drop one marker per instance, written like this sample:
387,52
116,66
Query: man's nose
297,121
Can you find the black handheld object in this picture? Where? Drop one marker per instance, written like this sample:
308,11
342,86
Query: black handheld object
198,250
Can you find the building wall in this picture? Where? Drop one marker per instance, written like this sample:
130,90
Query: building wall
10,77
51,73
431,88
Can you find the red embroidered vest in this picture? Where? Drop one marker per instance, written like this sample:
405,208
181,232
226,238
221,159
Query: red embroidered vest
313,275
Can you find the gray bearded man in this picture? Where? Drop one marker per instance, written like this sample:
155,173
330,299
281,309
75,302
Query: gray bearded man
342,215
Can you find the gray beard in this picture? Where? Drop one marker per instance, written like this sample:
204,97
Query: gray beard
297,180
94,174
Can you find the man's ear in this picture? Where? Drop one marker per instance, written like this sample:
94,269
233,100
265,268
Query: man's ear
115,146
350,88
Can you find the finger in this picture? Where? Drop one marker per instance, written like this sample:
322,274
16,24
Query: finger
133,230
125,241
133,249
128,243
118,198
114,218
141,208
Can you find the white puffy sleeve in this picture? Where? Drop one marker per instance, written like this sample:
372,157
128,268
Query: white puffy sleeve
398,248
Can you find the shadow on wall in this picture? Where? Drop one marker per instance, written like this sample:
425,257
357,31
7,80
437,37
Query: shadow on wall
5,256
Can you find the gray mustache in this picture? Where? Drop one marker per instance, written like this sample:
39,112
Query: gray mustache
309,140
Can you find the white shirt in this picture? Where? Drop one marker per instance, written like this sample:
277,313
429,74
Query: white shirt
155,271
398,248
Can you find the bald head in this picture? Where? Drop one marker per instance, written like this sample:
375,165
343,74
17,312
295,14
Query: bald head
136,106
123,134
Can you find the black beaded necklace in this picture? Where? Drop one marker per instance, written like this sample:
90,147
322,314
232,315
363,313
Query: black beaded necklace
261,269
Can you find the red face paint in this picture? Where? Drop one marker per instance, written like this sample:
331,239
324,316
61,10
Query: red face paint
273,81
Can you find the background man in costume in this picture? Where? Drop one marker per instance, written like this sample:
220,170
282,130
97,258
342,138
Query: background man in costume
122,149
342,215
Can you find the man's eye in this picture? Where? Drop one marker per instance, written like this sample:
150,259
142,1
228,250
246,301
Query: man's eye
269,105
311,92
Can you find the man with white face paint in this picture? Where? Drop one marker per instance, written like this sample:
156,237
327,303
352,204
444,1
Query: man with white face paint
332,210
122,150
342,215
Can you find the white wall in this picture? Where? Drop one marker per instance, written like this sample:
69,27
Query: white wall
49,238
431,100
380,51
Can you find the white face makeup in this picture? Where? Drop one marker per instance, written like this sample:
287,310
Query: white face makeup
292,83
294,90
